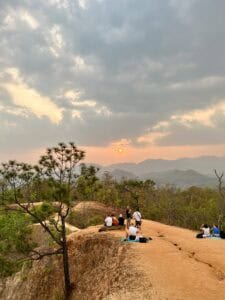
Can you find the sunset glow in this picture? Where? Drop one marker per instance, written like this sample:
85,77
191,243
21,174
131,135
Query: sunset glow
117,86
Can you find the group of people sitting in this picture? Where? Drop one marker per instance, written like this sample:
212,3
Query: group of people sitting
207,231
111,220
132,223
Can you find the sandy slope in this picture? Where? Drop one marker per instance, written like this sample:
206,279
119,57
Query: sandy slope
174,265
178,265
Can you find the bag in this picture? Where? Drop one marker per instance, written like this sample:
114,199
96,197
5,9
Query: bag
199,236
222,234
143,240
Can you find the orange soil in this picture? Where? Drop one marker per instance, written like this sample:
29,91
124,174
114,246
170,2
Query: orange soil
178,265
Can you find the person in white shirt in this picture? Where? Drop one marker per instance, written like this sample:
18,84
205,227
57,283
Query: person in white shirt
108,221
205,230
132,232
137,218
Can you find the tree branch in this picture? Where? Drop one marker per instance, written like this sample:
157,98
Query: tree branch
36,255
42,223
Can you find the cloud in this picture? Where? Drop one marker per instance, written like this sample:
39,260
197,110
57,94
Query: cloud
41,106
201,126
151,138
206,116
13,18
26,97
29,19
200,83
101,71
83,4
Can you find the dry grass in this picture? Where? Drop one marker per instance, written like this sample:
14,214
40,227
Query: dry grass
99,267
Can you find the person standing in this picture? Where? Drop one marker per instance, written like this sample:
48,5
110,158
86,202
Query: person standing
137,218
128,216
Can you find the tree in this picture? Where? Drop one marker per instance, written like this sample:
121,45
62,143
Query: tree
138,190
221,199
108,193
15,233
58,167
88,183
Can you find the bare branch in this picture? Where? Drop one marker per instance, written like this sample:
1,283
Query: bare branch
42,223
36,255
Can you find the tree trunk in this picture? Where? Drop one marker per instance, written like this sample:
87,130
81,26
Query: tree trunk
65,261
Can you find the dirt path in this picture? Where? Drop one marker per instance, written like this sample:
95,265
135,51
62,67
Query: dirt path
178,265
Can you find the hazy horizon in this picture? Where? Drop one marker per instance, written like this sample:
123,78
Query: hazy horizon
125,80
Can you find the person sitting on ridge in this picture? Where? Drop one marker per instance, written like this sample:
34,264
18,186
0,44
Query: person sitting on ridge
215,230
132,232
115,222
108,221
121,220
205,232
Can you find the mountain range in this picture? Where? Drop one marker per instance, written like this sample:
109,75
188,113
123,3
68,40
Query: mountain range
184,172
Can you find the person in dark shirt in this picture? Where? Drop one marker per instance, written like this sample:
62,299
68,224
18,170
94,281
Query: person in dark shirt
121,220
128,216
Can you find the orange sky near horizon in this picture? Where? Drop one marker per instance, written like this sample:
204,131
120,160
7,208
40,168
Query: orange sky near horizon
110,155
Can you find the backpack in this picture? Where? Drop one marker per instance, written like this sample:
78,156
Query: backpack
143,240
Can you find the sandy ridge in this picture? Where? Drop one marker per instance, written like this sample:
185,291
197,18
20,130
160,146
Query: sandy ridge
178,266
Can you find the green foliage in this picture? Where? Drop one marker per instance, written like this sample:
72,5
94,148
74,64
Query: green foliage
8,267
84,219
58,167
22,184
43,212
14,233
15,241
88,184
95,220
186,208
109,193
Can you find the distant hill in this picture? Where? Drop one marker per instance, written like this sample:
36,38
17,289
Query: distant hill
184,172
118,174
203,164
182,179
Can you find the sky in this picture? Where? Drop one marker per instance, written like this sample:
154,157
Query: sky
125,80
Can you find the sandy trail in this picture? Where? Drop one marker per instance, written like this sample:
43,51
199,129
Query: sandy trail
178,265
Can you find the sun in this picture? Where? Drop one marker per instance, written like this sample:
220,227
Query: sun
120,150
120,146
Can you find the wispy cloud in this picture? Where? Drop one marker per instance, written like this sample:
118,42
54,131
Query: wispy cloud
24,96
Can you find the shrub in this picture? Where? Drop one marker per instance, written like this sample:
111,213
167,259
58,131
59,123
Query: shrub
14,233
84,219
7,267
44,211
96,220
